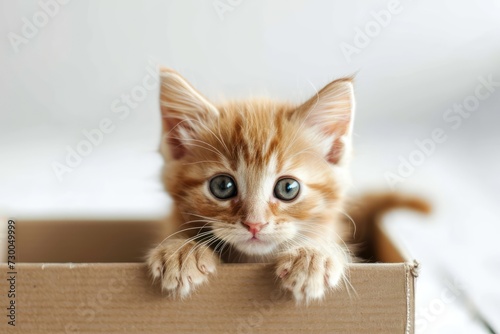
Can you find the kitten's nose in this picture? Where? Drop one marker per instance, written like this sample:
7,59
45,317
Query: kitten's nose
254,227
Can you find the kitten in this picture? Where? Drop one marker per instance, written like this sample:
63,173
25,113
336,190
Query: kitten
256,180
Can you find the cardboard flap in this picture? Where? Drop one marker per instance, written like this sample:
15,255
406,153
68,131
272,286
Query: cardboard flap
126,241
241,298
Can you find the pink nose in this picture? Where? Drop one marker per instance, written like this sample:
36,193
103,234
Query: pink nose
254,227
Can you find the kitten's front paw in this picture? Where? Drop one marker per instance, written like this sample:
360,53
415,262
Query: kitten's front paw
308,273
181,267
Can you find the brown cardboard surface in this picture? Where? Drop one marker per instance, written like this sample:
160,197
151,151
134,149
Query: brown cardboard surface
240,298
85,241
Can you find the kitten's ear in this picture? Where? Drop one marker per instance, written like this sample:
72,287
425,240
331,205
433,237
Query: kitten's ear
183,110
330,113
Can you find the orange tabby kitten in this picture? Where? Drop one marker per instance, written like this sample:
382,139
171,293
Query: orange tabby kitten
256,180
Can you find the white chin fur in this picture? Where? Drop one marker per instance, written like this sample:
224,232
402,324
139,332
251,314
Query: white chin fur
255,248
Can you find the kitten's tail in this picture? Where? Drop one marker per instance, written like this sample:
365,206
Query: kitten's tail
367,209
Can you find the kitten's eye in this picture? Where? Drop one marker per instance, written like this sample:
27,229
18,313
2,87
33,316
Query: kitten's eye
286,189
223,187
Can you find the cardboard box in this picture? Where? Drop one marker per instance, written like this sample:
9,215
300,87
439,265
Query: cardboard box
105,289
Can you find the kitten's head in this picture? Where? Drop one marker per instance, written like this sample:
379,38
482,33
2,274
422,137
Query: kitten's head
260,174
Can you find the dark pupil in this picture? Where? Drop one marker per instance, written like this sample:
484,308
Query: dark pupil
224,185
290,186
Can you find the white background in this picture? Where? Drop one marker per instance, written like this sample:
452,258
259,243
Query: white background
427,57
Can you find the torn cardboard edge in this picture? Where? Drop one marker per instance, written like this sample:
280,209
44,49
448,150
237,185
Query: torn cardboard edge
241,298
